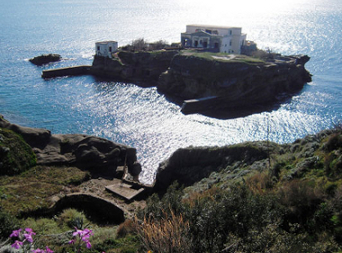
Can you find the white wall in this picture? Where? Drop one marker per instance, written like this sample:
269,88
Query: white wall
106,48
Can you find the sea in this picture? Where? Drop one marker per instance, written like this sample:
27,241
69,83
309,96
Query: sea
142,117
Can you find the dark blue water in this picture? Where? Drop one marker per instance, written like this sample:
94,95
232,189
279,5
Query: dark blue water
143,118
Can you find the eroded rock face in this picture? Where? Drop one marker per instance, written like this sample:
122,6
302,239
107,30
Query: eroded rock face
190,165
98,155
143,68
235,83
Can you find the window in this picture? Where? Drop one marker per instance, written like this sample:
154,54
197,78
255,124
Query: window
230,42
196,43
230,32
98,48
110,49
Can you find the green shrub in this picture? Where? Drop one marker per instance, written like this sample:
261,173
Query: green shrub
16,155
72,218
8,223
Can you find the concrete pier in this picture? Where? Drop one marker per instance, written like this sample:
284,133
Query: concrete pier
69,71
200,104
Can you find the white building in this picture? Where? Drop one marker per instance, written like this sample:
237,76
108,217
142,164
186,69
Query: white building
106,48
224,39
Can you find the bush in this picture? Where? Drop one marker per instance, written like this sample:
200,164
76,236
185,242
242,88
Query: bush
8,223
125,228
72,218
301,198
16,155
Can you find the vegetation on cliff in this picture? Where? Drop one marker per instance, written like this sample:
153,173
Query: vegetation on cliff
291,203
16,155
248,197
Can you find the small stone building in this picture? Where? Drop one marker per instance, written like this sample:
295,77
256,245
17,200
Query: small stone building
106,48
223,39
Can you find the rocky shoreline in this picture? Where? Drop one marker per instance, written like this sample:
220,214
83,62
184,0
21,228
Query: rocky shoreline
203,82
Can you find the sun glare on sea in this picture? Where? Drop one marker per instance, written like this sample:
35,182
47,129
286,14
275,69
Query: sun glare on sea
247,6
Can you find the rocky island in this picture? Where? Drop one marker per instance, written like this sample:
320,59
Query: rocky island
199,81
45,59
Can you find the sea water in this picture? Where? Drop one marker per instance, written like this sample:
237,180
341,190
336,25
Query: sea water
142,117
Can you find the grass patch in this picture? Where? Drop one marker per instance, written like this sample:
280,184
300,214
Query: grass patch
224,57
32,189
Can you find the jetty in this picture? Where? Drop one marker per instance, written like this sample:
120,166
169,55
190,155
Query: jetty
69,71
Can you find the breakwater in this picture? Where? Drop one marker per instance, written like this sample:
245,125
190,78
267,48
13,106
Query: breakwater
69,71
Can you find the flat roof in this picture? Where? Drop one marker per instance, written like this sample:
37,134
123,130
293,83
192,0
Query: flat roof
213,26
105,42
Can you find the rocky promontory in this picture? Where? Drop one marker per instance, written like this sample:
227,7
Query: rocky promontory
98,155
209,81
233,81
203,81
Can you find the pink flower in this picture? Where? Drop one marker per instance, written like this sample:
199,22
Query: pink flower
17,244
78,232
38,251
28,237
88,244
71,241
48,250
30,231
15,233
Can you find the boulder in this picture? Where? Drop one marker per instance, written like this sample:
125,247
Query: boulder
35,137
45,59
96,154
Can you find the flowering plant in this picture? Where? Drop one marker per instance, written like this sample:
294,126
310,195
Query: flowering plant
80,236
25,241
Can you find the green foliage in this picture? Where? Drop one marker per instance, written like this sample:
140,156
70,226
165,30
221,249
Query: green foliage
16,155
72,218
257,216
8,223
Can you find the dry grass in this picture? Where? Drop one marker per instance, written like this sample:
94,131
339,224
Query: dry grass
170,234
32,189
259,183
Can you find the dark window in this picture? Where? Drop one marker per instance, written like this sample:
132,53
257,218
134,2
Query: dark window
205,44
196,43
110,49
98,48
216,45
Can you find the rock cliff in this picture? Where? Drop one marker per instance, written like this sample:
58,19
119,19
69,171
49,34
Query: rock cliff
206,166
98,155
232,81
143,68
207,81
